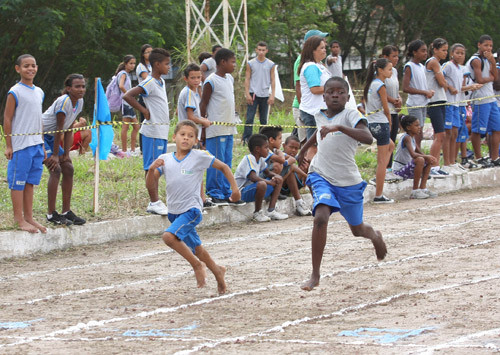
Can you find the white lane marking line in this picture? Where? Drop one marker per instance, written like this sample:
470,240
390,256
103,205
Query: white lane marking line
163,278
265,235
453,343
349,309
93,323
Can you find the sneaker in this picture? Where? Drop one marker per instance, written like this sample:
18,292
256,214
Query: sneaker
373,181
260,216
429,193
469,164
391,177
418,194
302,209
135,153
448,169
496,162
208,204
70,216
236,203
219,202
383,199
445,173
59,220
157,207
484,162
458,169
275,215
436,175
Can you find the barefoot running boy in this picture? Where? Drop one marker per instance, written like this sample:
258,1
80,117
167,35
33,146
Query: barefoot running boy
22,125
253,187
183,171
334,177
154,129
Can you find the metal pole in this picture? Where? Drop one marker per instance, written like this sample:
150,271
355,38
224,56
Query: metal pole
225,14
188,29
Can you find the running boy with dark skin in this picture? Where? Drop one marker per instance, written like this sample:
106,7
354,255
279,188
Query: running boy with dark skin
336,96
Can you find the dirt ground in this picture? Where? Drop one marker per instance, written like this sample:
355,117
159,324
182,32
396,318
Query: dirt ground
437,290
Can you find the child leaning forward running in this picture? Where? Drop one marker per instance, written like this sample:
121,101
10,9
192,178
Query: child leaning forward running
334,177
183,171
410,163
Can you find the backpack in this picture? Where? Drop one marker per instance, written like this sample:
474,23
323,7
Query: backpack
114,94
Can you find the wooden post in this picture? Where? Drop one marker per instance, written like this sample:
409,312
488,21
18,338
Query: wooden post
96,156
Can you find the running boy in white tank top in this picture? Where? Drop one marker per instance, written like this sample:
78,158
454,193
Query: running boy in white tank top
334,177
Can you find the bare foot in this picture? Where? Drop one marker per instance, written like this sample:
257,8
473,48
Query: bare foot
312,283
200,273
380,248
25,226
221,283
37,225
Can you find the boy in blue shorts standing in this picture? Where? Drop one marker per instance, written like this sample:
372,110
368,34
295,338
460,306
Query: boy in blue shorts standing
217,104
24,139
334,177
183,171
255,188
485,112
154,129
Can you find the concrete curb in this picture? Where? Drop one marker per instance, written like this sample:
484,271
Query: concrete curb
19,243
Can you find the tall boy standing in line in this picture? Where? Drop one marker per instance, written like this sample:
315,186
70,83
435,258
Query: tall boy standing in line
183,171
334,177
155,127
23,115
485,112
259,77
217,104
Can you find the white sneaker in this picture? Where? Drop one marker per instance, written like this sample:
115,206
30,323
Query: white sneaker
260,216
430,193
458,168
157,207
302,209
418,194
135,153
448,169
275,215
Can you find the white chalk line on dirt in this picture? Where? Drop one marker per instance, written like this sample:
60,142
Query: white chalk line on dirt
269,257
145,281
234,240
93,323
468,337
349,309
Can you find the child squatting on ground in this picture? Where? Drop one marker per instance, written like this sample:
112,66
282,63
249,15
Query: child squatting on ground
334,177
25,152
183,171
257,182
410,162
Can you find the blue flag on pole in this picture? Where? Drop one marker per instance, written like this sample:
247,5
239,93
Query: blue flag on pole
102,115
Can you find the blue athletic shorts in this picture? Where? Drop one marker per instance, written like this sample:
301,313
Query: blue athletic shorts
348,200
485,118
381,132
183,226
248,192
437,116
152,148
128,111
26,167
452,117
463,131
48,141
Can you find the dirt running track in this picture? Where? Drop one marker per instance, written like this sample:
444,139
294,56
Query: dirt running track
437,291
